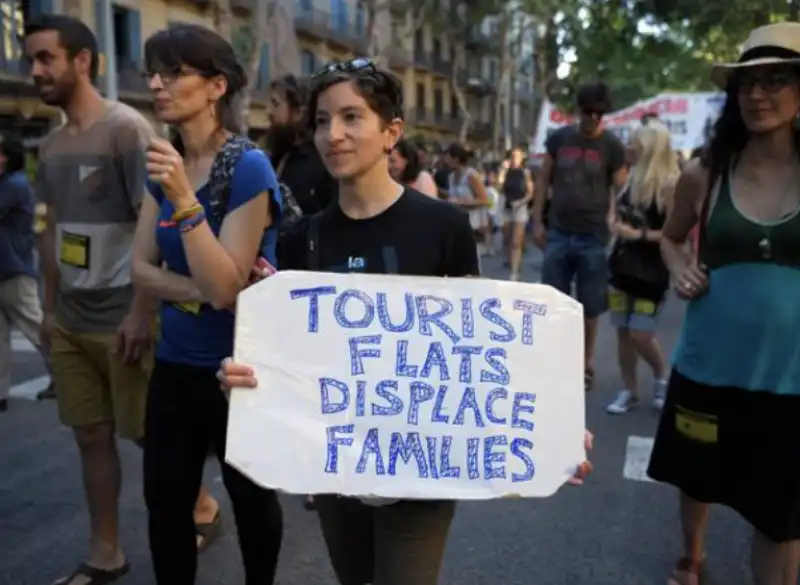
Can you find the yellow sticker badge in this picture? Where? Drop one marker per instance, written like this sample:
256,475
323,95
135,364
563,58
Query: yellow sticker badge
696,425
189,307
75,250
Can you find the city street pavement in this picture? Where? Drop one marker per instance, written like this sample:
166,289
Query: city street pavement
618,529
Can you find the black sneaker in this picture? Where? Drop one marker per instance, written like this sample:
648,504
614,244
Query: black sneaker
3,404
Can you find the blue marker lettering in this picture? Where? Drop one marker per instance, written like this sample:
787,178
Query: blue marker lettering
385,318
428,318
332,460
312,294
328,405
340,309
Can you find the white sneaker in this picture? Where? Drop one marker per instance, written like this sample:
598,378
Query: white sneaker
659,393
513,277
624,402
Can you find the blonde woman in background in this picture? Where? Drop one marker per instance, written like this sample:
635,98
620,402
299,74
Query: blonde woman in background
639,277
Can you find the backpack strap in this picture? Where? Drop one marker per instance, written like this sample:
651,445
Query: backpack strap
390,262
312,239
221,174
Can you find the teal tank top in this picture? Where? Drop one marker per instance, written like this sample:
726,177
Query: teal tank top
745,331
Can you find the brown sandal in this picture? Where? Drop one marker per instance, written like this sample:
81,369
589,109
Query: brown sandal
687,572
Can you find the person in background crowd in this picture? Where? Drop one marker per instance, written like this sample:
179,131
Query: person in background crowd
424,158
639,278
728,432
406,169
466,190
19,284
648,117
196,261
585,167
96,326
441,176
300,170
517,185
296,161
494,209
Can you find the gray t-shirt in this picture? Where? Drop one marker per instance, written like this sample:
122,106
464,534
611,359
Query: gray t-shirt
95,180
582,176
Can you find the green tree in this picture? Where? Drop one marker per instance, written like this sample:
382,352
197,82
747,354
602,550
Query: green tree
643,47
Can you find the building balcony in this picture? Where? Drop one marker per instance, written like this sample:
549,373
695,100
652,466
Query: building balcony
447,122
399,57
131,81
14,77
442,66
423,59
525,94
420,116
477,41
480,131
475,84
321,25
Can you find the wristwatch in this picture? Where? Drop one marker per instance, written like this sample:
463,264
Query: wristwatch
644,234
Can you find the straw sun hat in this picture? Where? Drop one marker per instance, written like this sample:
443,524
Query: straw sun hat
766,45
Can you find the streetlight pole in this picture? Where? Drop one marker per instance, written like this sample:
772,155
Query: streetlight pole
109,49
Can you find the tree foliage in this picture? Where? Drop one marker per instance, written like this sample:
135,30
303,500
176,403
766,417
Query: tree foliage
643,47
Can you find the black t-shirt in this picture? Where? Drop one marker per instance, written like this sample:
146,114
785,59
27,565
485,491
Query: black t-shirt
305,175
582,177
416,236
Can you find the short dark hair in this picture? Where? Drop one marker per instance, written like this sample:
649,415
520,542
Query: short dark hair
594,95
73,35
459,152
13,149
409,151
380,88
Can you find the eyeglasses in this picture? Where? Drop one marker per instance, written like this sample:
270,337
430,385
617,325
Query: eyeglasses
769,80
168,76
351,66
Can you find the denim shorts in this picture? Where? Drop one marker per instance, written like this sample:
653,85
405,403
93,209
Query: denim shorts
582,258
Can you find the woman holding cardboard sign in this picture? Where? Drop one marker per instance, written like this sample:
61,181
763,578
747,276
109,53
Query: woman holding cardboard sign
378,226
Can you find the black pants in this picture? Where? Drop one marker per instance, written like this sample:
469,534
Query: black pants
187,415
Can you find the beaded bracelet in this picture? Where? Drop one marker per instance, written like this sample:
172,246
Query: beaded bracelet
181,214
191,222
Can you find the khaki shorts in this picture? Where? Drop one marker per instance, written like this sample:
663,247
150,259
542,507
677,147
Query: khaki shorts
94,386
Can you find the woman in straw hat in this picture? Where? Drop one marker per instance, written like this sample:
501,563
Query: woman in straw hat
729,430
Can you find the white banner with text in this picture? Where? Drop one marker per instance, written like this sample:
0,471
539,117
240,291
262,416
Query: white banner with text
687,115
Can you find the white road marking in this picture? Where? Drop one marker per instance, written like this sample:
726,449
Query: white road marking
20,344
637,457
30,389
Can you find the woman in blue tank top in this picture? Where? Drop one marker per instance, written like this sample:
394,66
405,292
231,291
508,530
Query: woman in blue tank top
728,433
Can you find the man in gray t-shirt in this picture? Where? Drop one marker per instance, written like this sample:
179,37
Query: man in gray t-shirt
584,167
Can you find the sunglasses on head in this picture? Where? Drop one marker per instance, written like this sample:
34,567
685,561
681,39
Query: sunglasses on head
351,66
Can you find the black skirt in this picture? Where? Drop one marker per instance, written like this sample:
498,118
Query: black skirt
733,447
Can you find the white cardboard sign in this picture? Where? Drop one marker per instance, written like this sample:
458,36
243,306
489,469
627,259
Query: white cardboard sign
408,387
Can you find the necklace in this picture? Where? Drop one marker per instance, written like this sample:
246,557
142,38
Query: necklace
765,243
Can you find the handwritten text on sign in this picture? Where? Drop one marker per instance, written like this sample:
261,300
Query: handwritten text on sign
373,385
